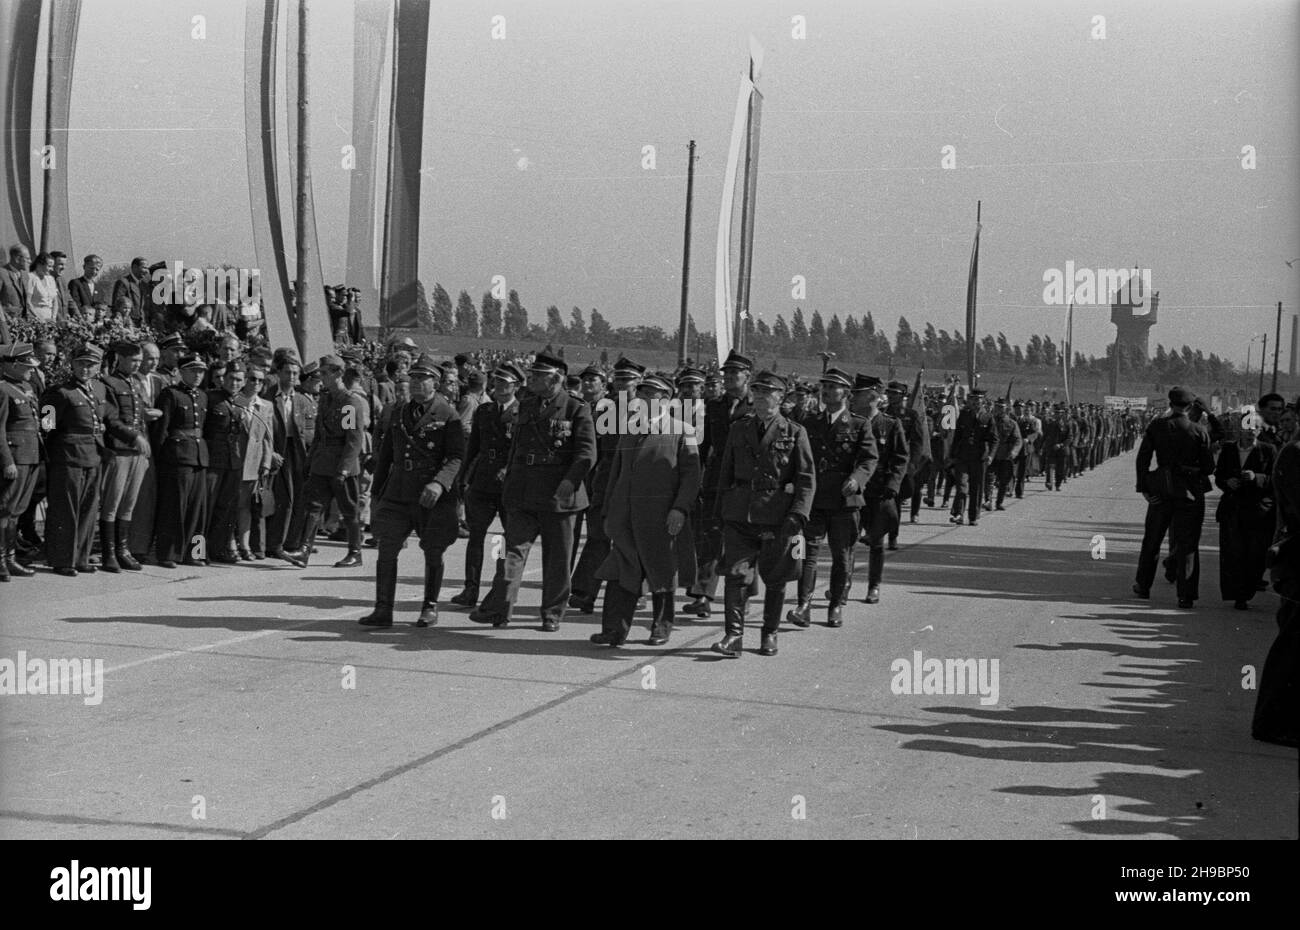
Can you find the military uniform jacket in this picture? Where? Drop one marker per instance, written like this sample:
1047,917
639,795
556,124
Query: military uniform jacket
719,415
1056,436
20,425
846,449
129,405
891,449
80,416
488,452
1009,440
974,438
763,480
1183,448
178,433
222,429
916,432
554,441
341,420
418,450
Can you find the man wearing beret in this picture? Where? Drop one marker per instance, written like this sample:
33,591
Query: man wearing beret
77,415
844,448
181,454
973,443
1175,495
766,484
880,515
126,464
654,480
486,458
585,582
334,463
20,449
553,449
416,466
719,414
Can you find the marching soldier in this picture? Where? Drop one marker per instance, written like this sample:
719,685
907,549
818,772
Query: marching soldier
486,458
182,456
79,414
766,484
880,511
1008,449
415,470
1056,448
1031,430
126,464
334,463
553,450
1175,494
586,583
844,450
916,430
654,480
690,392
973,443
20,449
719,415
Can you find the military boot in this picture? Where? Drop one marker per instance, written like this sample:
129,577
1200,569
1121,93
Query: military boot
108,547
734,601
432,588
353,558
124,556
385,592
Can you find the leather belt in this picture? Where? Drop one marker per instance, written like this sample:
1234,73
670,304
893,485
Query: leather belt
548,458
191,433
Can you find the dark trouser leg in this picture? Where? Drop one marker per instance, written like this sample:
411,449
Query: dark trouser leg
1153,536
27,520
585,584
773,601
1022,466
709,549
617,611
224,502
663,609
975,499
1279,681
433,568
286,488
195,503
919,483
1185,532
87,514
734,599
962,474
875,565
63,491
520,534
479,512
842,532
1231,568
739,560
557,544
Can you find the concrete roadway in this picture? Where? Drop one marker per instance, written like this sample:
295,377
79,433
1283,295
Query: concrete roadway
1115,717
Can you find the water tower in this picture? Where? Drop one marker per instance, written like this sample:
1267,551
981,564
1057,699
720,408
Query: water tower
1133,318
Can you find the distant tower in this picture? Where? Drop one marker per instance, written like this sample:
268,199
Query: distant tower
1131,329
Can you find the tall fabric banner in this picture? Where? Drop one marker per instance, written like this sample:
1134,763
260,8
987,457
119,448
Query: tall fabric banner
401,256
260,25
20,26
369,51
56,230
1068,350
972,286
734,256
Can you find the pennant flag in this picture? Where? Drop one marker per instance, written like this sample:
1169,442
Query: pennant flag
370,40
972,283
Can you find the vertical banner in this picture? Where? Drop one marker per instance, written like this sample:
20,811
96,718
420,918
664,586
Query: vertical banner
369,53
1068,350
723,301
56,228
260,24
20,26
748,204
972,285
401,255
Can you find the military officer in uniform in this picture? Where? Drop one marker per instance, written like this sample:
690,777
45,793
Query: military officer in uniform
1007,451
1031,429
654,480
20,449
973,442
486,458
181,454
719,415
126,463
844,450
222,429
766,484
334,463
416,467
553,450
1175,494
916,430
586,583
880,514
77,414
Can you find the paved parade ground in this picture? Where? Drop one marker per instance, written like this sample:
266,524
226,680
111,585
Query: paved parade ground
226,694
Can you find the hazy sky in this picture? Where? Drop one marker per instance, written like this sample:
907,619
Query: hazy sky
1107,153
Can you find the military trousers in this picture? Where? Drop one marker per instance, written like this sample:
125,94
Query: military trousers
480,510
223,507
182,510
746,546
73,509
970,488
840,528
522,530
585,583
16,493
122,479
1182,521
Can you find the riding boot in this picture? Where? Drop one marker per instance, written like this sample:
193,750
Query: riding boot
734,602
124,556
353,558
432,588
108,547
12,566
385,592
302,555
4,549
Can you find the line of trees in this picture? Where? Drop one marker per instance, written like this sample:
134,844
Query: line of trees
853,339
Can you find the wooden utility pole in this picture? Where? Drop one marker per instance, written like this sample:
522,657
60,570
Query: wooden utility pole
686,257
1277,341
1263,355
304,184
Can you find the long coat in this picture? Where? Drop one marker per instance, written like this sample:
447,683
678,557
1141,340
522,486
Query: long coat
649,476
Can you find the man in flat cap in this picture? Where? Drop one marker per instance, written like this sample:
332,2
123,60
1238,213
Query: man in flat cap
486,459
1175,494
77,415
880,513
416,466
654,481
585,582
719,415
766,484
973,443
127,463
20,449
181,454
843,447
334,463
554,447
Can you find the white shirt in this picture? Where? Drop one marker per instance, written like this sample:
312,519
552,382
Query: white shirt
44,295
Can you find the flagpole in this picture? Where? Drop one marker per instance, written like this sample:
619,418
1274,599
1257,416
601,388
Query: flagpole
686,256
972,287
304,185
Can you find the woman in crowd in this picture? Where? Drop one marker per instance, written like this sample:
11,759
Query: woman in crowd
44,289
